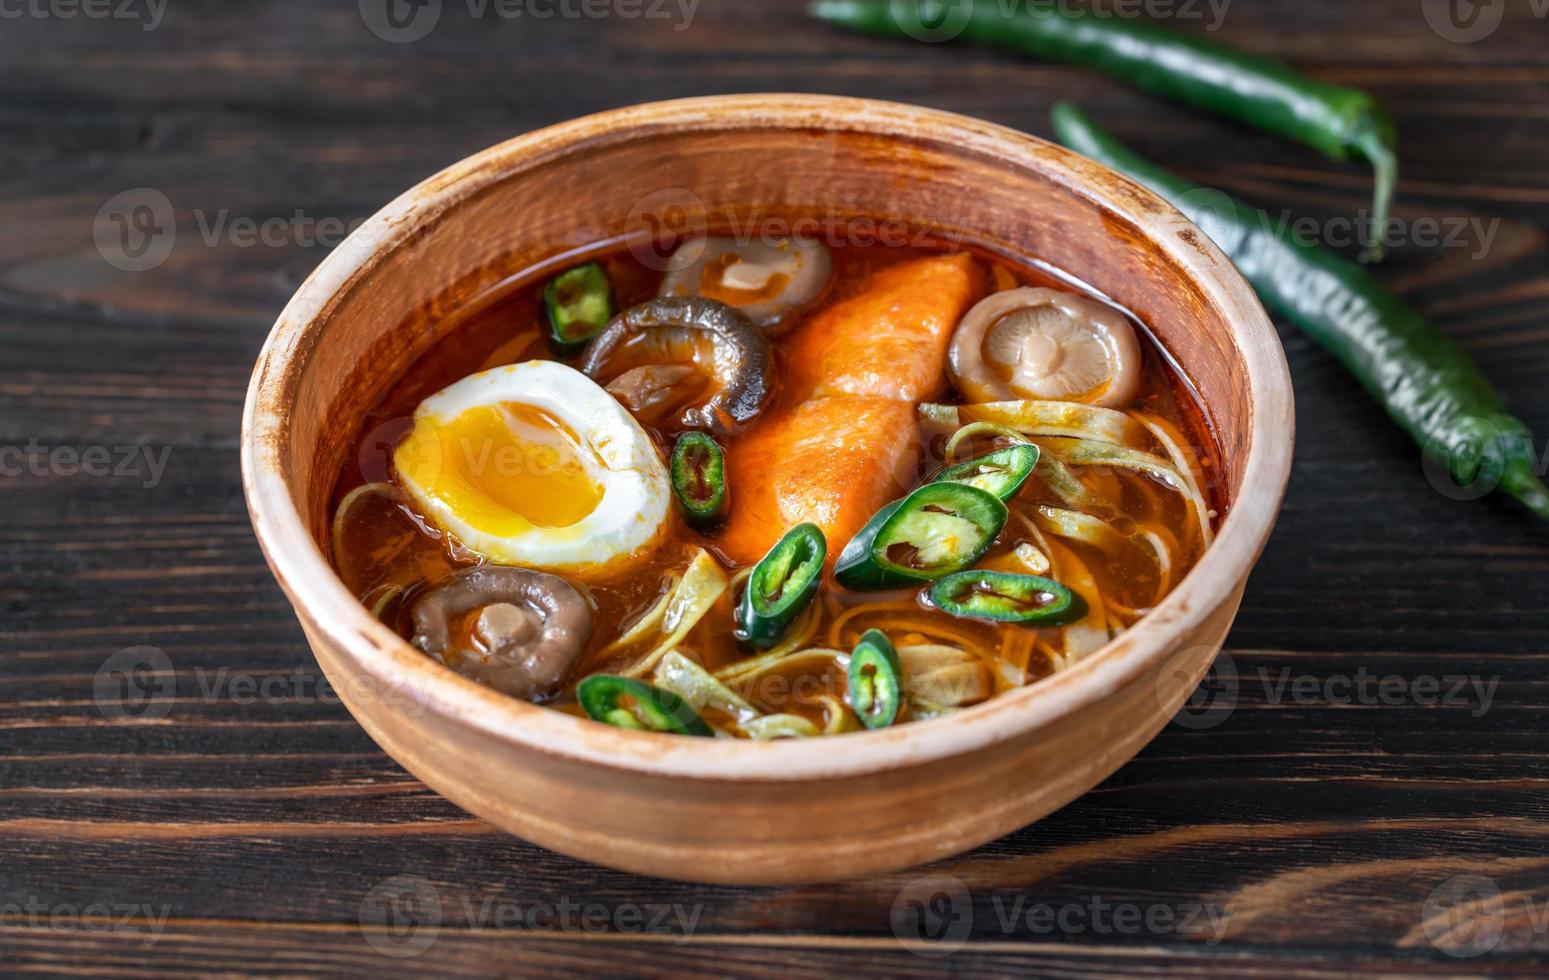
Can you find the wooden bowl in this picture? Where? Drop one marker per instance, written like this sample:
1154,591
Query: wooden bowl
723,810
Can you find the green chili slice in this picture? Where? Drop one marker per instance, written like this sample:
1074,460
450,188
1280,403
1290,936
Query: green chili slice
876,680
937,529
699,478
781,586
852,570
1428,384
1001,472
577,303
1340,122
624,702
1006,597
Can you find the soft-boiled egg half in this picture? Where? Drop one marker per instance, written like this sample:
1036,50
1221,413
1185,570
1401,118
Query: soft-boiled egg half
535,465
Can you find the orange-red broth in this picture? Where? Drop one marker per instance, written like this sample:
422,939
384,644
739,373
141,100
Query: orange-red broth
388,554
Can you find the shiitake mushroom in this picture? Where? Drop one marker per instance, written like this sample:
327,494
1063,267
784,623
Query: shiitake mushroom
531,628
1044,343
699,357
770,281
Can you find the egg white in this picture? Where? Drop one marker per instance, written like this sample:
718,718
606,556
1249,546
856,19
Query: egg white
623,463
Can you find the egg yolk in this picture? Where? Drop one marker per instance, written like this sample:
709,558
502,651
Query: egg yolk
503,468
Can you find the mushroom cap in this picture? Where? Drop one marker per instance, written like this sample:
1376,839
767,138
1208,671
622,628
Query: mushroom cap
769,280
720,340
1044,343
531,628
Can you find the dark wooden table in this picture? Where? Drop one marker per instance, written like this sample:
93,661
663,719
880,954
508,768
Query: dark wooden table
1368,794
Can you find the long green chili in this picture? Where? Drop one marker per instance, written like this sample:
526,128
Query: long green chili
1342,123
1428,384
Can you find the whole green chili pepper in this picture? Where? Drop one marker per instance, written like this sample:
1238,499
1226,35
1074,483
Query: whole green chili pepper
781,586
1342,123
624,702
1428,384
876,680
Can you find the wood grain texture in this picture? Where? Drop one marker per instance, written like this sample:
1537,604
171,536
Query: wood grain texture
255,826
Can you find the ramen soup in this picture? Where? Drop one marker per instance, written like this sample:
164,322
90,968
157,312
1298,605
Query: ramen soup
776,488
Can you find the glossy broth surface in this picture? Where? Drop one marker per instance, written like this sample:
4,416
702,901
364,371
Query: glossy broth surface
388,553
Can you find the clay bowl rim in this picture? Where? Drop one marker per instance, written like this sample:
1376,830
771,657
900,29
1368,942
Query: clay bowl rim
390,664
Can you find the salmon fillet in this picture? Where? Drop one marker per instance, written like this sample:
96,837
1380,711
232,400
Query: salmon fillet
831,461
889,340
844,440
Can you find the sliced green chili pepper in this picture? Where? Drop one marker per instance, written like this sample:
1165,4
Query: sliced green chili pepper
850,568
1006,597
1001,472
627,703
937,529
699,478
781,586
1342,123
1428,384
578,303
876,680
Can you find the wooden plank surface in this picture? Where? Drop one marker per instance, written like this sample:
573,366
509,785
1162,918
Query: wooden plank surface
1311,820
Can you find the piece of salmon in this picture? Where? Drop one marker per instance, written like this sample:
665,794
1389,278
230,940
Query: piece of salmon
890,339
831,461
844,439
